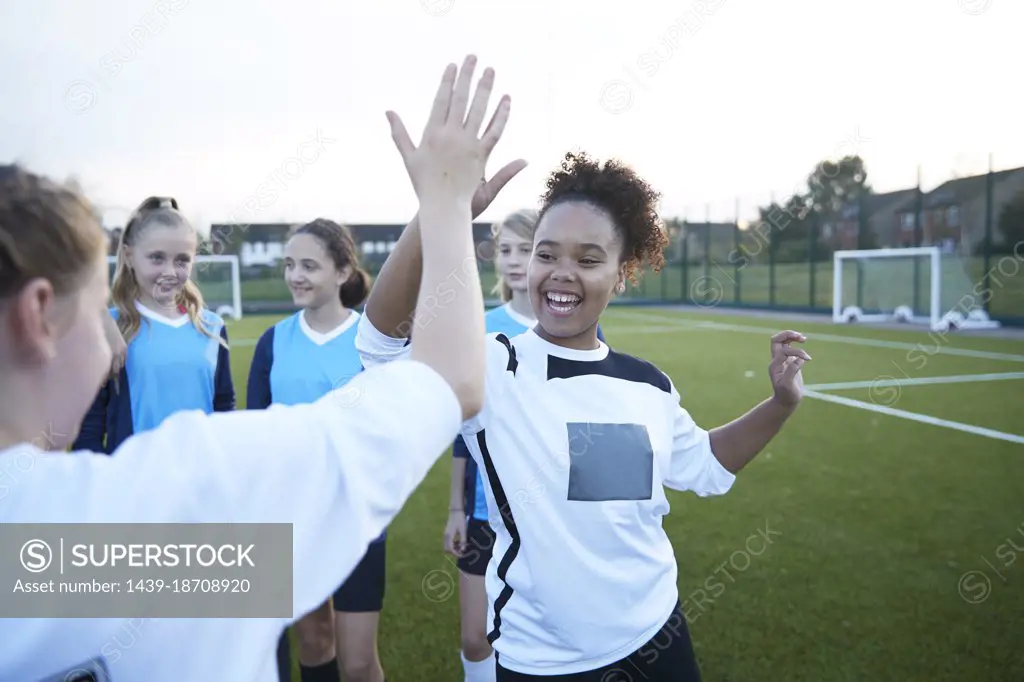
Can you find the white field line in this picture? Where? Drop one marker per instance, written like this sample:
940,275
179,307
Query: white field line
919,381
914,416
934,347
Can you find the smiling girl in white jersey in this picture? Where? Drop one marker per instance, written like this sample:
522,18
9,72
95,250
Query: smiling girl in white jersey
468,535
578,443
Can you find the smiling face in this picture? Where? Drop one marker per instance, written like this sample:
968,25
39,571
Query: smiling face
574,272
310,272
161,258
512,259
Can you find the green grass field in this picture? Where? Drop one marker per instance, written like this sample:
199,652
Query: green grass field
888,552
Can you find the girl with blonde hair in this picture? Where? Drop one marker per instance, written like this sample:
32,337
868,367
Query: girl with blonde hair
177,350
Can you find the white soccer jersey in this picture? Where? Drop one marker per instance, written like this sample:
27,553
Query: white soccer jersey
339,469
575,448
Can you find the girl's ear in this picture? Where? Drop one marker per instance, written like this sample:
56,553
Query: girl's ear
34,320
344,273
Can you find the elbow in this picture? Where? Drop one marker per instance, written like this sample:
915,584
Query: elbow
470,394
468,388
464,378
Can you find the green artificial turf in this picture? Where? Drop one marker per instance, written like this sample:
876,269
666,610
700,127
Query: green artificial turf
860,546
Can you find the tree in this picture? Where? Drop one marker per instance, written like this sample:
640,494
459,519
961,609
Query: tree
831,187
1011,221
778,225
835,184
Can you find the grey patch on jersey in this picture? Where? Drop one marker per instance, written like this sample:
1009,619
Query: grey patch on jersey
610,462
94,670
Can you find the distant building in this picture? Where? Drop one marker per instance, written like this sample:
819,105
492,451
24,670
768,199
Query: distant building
879,220
955,210
262,244
952,215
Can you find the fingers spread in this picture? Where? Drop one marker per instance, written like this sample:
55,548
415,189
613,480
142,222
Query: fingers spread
460,97
400,135
479,107
502,177
443,98
497,125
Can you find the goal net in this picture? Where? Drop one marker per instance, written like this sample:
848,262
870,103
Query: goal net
218,278
920,285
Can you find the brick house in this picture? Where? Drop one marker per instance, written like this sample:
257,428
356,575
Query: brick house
880,220
955,210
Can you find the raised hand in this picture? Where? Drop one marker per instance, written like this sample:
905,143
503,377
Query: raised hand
784,369
449,163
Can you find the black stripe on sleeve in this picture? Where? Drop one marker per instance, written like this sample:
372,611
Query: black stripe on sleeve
513,363
501,499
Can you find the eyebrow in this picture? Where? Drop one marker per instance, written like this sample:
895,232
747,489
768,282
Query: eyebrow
586,246
161,252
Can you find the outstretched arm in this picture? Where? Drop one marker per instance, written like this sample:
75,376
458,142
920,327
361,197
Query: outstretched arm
707,462
739,441
339,470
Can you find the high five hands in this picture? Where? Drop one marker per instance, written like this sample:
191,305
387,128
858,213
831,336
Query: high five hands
451,158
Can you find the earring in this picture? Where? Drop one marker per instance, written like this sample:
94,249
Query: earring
621,287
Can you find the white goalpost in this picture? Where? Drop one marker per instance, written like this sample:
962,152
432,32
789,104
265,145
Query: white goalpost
917,285
219,278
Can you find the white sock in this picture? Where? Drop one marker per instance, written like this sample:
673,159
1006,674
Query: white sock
479,671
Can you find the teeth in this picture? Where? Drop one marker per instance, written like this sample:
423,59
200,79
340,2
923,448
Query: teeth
564,298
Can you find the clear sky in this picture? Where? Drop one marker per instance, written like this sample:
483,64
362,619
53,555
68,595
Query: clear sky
713,101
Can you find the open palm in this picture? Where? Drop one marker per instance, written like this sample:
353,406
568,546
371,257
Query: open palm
452,154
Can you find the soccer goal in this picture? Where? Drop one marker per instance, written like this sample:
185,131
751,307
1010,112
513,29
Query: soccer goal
918,285
219,278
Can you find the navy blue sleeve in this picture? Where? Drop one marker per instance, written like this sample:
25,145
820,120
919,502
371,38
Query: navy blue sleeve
257,394
600,334
459,449
93,432
223,385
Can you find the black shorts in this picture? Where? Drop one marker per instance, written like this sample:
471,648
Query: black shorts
479,547
667,657
363,591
